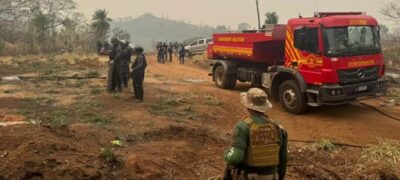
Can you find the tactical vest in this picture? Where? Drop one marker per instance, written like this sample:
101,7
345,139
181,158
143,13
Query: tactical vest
264,144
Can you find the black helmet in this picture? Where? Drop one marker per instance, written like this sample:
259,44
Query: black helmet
114,40
139,49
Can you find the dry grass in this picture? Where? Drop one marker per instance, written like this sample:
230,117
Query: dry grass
212,100
391,53
45,64
387,152
394,93
201,61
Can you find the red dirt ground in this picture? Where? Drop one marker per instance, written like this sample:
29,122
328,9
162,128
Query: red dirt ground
185,138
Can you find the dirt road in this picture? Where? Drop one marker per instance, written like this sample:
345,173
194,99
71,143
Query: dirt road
352,123
179,132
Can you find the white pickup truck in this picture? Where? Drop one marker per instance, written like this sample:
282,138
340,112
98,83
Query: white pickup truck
197,47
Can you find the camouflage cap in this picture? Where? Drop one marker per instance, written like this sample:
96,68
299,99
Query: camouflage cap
255,99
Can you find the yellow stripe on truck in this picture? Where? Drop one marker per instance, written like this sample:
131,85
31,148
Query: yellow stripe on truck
355,64
230,50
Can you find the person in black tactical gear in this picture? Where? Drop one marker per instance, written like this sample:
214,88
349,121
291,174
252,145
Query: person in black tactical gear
170,51
165,47
126,53
115,71
161,53
158,47
176,48
182,54
137,74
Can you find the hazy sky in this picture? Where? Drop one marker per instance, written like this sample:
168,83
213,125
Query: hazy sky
228,12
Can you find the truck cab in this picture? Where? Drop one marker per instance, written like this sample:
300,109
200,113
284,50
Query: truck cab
338,56
329,59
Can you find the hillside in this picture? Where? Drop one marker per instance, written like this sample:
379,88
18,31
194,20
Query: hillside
148,29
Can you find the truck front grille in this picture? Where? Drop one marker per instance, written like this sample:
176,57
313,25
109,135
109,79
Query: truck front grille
357,75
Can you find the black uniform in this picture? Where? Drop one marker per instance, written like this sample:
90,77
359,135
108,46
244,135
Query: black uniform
165,47
161,54
126,60
182,55
176,48
158,47
116,58
138,70
170,51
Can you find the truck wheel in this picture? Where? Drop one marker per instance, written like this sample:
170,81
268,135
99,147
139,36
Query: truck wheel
291,97
223,80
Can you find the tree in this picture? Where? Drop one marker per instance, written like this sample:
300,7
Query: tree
14,9
384,30
221,28
391,10
47,16
12,13
101,24
271,18
121,34
244,26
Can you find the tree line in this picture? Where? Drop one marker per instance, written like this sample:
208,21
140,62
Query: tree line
49,26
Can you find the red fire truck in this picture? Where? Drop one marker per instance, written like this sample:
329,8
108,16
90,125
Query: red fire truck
329,59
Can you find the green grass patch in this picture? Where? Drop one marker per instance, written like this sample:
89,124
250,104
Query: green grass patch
116,96
58,120
84,110
174,107
166,106
97,118
96,91
39,101
108,154
93,74
325,145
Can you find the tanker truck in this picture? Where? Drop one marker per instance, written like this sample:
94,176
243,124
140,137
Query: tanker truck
331,58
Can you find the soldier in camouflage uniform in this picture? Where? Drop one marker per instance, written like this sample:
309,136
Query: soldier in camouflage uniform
259,147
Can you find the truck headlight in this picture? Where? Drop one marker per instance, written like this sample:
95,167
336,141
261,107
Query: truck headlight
336,92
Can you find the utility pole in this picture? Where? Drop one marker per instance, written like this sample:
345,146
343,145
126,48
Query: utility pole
258,15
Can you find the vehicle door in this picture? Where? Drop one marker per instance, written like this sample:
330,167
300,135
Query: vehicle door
201,47
192,47
306,54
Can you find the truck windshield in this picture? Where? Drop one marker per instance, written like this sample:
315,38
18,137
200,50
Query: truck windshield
352,41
